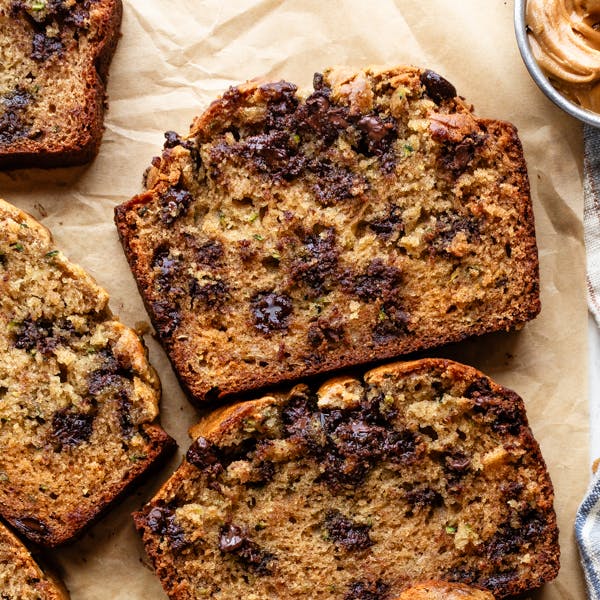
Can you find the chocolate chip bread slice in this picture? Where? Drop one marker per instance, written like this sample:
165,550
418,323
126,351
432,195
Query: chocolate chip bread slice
443,590
55,56
289,235
78,399
359,489
21,578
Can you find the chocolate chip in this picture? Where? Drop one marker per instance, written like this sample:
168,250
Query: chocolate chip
209,253
43,47
456,157
317,262
34,335
386,226
32,527
478,388
16,100
505,417
391,322
12,127
270,311
210,293
367,590
512,536
172,139
378,281
166,317
333,183
169,268
346,533
457,463
438,88
377,135
231,538
448,226
72,428
329,330
498,581
175,203
234,539
161,520
205,456
424,497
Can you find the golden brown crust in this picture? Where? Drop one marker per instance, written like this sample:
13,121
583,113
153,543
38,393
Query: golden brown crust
494,489
75,384
442,590
76,140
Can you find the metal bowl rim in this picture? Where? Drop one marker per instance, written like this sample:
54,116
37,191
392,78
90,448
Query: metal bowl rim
587,116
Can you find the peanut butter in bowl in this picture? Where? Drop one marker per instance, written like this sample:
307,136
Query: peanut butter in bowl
565,39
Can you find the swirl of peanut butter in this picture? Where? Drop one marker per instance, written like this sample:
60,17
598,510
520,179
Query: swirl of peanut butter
565,39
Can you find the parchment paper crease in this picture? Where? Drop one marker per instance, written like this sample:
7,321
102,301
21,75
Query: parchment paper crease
176,56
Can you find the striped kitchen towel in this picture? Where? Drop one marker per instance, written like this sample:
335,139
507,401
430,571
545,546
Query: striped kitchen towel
591,215
587,522
587,531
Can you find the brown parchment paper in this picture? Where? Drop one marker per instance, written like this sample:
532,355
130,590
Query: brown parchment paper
175,56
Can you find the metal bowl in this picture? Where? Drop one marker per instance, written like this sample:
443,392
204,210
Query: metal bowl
587,116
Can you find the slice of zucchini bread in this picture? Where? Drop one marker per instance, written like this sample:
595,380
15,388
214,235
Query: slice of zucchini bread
289,235
21,578
78,399
55,56
357,490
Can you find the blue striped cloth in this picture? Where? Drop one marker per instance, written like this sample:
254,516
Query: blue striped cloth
587,521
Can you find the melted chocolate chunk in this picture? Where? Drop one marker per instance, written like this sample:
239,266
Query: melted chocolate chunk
234,539
175,203
12,127
210,253
379,281
455,158
168,267
17,100
281,103
386,226
424,497
479,388
438,88
334,183
448,225
166,318
111,374
317,262
504,417
43,47
162,521
204,455
35,335
329,330
498,580
367,590
514,535
72,428
32,527
74,15
319,115
392,321
271,312
457,463
211,293
377,135
344,532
